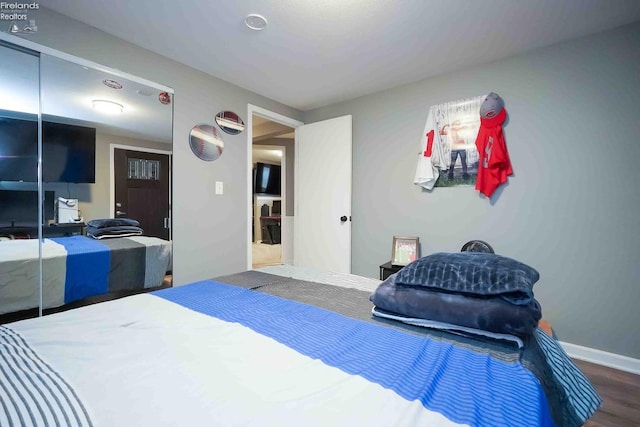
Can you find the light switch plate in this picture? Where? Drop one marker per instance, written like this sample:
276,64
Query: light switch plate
219,187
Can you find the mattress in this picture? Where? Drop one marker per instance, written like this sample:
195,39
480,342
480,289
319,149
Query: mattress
259,348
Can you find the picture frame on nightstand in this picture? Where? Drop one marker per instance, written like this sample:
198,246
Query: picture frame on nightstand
404,250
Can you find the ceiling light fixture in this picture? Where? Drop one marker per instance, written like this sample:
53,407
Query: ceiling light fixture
255,22
108,107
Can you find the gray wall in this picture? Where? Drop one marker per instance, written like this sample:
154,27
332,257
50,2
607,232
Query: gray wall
210,232
570,210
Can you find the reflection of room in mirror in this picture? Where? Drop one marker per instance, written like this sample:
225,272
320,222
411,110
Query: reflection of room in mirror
206,142
69,90
230,122
77,164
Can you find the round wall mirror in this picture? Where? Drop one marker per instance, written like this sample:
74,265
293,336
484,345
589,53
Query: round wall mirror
206,142
230,122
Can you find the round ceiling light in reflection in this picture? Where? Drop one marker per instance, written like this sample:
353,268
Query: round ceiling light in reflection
206,142
255,22
107,107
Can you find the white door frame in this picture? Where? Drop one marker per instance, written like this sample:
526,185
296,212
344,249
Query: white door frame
112,179
278,118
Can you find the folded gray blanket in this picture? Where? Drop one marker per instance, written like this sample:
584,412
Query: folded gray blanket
474,274
112,222
119,231
489,314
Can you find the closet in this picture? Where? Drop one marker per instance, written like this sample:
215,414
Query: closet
56,163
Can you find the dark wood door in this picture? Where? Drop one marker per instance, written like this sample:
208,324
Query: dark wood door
142,190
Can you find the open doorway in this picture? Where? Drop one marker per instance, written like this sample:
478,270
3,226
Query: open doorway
271,165
267,204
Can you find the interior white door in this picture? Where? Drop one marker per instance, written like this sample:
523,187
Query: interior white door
322,226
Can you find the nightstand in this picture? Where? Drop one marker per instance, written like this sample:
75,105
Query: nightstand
387,269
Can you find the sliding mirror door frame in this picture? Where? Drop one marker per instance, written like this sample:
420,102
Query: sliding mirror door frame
21,192
48,101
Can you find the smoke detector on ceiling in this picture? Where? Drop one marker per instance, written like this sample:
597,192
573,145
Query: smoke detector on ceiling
255,22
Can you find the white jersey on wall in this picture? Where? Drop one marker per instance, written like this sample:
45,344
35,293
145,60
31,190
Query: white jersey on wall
431,158
451,127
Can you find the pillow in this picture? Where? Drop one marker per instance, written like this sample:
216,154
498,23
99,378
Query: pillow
485,314
112,222
473,273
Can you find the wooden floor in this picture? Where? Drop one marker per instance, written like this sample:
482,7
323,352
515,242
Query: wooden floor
264,254
620,392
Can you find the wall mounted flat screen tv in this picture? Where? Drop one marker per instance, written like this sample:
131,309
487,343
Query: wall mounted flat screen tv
267,179
68,151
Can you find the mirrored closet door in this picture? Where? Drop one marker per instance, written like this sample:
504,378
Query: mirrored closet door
19,190
105,187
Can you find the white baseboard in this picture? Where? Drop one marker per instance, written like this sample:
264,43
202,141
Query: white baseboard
612,360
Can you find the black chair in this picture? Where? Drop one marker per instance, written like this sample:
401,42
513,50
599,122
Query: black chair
276,208
477,246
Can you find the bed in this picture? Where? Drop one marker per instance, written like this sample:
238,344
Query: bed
78,267
271,347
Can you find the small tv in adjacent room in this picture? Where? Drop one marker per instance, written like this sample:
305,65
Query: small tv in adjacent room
267,179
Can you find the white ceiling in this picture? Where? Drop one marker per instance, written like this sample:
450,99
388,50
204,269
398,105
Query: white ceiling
318,52
265,154
264,129
68,91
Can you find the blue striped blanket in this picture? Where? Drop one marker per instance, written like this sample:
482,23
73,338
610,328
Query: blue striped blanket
571,397
465,386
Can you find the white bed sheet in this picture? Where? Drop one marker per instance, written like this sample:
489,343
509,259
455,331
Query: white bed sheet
20,271
145,361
